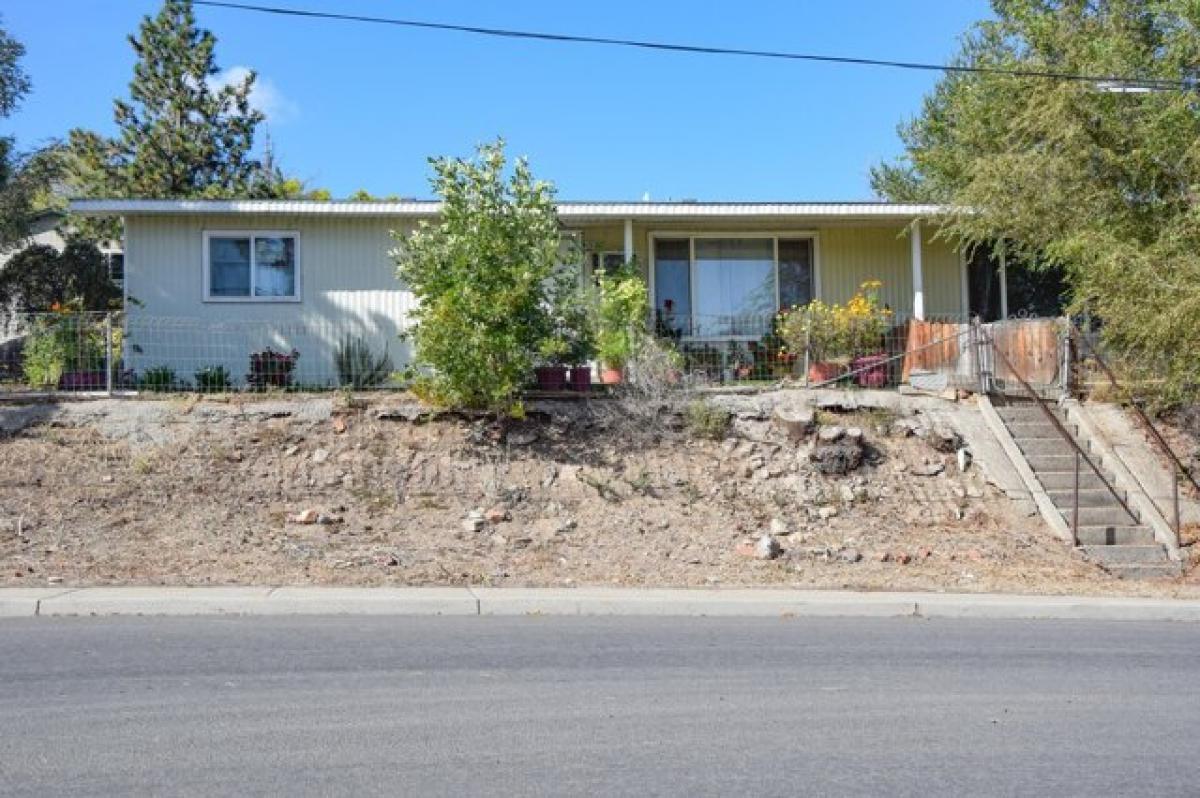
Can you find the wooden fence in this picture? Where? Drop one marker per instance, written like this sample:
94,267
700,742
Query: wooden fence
951,350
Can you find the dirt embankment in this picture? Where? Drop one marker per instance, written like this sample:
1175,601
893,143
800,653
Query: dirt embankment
315,491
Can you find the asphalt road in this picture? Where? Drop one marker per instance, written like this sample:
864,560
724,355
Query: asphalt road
593,706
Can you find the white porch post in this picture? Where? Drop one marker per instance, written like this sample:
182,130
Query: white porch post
628,240
1003,282
918,274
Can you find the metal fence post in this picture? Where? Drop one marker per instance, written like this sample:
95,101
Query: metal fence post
108,354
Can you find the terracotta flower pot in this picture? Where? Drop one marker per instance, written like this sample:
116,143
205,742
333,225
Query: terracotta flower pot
875,372
551,378
581,379
823,371
611,376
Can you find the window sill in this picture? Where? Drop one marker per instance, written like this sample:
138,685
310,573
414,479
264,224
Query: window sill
252,300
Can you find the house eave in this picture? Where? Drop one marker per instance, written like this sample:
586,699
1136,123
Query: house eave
568,211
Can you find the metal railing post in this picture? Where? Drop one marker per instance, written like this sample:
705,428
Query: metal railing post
108,354
1075,510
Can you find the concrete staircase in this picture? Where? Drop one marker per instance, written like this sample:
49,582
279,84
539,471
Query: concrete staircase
1108,534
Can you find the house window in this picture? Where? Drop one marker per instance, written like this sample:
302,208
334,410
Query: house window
729,286
115,261
257,266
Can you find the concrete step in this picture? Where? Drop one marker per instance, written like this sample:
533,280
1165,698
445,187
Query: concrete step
1064,463
1065,480
1115,535
1038,429
1031,447
1028,414
1125,555
1101,516
1088,497
1140,571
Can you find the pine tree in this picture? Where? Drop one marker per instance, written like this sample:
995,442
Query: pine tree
180,134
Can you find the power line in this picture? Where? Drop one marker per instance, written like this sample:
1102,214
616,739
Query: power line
1141,83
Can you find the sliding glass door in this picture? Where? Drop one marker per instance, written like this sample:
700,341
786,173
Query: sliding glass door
729,286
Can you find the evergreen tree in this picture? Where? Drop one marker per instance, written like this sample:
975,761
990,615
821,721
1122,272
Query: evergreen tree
180,134
18,184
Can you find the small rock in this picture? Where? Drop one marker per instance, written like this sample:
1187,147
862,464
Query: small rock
780,528
928,469
339,425
974,492
827,512
830,433
797,422
767,548
974,554
854,434
291,450
328,519
846,492
497,514
522,437
308,516
925,552
498,540
320,456
903,557
964,460
850,555
944,439
745,548
473,522
54,580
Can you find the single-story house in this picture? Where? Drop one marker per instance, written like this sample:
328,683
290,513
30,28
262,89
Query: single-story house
207,281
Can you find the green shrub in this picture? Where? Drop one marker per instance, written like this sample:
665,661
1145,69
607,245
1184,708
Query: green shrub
621,315
158,379
483,276
357,365
213,379
706,421
61,344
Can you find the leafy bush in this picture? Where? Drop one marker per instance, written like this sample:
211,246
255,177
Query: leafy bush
483,276
213,379
357,365
706,421
837,332
621,315
271,369
61,344
158,379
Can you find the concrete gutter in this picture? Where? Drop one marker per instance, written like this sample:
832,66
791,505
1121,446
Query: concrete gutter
773,603
1049,512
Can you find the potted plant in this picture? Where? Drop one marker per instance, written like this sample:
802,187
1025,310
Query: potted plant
816,329
551,373
836,337
620,320
271,369
866,321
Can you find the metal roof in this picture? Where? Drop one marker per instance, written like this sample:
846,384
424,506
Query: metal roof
575,211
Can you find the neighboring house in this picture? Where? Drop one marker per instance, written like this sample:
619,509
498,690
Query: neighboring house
210,280
46,229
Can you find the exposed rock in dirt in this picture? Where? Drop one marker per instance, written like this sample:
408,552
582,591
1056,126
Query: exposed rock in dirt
589,499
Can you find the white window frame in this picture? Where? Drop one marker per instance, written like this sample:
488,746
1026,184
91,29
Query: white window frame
691,236
251,234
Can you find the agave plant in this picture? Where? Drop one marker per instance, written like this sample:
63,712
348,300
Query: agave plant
358,367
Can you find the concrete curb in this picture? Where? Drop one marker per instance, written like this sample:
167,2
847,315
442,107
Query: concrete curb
31,602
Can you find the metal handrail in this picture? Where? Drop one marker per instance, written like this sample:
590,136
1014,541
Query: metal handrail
1079,452
1148,426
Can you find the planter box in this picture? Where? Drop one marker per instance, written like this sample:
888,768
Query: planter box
551,378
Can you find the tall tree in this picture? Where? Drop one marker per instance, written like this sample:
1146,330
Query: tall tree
19,174
1098,176
180,134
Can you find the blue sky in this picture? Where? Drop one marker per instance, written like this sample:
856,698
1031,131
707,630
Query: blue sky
356,106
